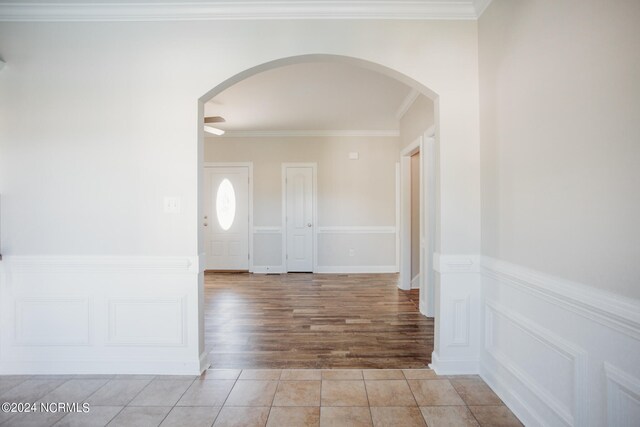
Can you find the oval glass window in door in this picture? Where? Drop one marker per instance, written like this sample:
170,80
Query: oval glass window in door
226,204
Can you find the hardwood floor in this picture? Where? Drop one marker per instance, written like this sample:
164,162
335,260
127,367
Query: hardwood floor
304,320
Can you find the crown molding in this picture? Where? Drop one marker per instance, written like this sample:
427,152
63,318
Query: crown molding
228,10
308,133
481,6
407,102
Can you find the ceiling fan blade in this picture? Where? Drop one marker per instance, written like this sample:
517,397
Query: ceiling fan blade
214,119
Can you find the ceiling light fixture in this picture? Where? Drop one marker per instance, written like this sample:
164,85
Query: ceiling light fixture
215,131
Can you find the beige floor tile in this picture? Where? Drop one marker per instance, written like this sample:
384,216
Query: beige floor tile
495,416
344,393
420,374
7,384
98,416
161,393
31,390
397,417
389,393
448,416
138,416
434,392
345,417
75,390
191,416
382,374
252,393
294,417
301,375
117,392
221,374
242,417
260,374
206,393
297,393
134,377
342,374
475,392
34,419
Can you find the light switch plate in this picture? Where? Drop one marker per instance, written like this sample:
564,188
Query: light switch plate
354,155
171,205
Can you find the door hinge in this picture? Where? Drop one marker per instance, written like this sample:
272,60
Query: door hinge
248,256
286,256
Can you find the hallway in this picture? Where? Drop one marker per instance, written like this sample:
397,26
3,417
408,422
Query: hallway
314,321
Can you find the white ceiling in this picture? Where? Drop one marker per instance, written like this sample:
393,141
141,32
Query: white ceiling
311,96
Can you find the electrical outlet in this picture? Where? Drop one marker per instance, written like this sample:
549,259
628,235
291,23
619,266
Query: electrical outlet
352,252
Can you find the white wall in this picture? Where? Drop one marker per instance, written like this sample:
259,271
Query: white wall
560,101
99,122
356,198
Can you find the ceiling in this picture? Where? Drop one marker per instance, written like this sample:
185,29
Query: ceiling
190,10
311,96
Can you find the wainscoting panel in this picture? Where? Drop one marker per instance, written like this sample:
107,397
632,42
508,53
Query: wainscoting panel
357,250
42,321
557,352
146,321
90,314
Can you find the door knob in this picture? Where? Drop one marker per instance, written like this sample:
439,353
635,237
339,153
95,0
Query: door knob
309,225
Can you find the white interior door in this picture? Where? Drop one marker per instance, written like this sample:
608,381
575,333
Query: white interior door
227,218
299,218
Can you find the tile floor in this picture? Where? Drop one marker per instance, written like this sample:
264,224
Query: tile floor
262,397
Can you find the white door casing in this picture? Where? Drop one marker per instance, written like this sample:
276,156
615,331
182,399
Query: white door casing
299,217
226,218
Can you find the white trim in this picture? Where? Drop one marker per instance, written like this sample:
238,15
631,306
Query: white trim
481,6
453,367
314,169
187,366
446,264
268,269
397,213
405,212
415,282
356,269
308,133
611,310
249,166
512,399
100,264
267,229
212,10
406,104
621,388
574,415
357,230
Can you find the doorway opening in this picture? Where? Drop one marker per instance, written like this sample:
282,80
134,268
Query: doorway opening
323,201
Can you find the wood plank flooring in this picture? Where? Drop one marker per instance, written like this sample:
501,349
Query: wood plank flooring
304,320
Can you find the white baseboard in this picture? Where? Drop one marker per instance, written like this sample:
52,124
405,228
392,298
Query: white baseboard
80,367
268,269
549,345
356,269
453,366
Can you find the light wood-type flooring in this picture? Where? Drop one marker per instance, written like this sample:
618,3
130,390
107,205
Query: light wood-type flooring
304,320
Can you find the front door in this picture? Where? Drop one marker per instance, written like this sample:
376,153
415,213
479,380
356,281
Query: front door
227,218
299,218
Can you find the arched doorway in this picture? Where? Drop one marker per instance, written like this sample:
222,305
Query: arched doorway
431,200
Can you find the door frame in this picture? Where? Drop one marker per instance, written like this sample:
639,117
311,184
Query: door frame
249,166
314,244
425,145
